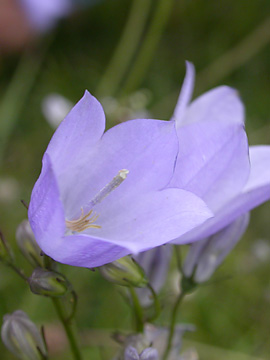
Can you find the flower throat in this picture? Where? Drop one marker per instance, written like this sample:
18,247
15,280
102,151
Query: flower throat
87,221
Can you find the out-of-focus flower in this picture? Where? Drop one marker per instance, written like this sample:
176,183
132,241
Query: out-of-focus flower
214,160
43,14
125,272
206,255
21,336
28,245
55,107
189,355
102,196
154,338
155,263
133,106
48,283
9,190
147,354
261,250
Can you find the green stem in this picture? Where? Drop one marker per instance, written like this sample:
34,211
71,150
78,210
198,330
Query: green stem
177,251
68,329
138,311
126,48
17,92
172,325
17,270
156,304
149,45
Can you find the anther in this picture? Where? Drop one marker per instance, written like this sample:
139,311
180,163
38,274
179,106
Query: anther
85,221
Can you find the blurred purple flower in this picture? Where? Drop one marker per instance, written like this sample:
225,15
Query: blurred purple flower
102,196
43,14
152,342
147,354
155,263
206,255
214,160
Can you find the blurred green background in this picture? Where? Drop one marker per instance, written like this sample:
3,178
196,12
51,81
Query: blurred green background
229,43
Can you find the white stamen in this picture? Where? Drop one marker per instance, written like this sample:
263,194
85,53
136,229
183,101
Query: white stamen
112,185
87,221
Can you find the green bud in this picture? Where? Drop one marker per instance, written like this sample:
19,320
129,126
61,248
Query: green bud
21,336
28,245
48,283
125,272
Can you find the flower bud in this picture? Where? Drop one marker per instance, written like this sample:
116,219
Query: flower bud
206,255
125,272
28,245
21,336
48,283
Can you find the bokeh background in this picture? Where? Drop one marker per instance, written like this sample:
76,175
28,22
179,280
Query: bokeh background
130,54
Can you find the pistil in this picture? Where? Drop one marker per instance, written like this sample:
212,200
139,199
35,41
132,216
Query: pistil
87,221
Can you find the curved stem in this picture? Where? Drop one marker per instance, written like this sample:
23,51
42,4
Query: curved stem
177,251
68,329
138,311
17,270
126,48
156,303
149,45
20,86
74,301
172,325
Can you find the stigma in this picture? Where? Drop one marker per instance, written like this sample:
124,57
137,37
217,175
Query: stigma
87,221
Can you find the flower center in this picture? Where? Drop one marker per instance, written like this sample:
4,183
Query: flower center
87,221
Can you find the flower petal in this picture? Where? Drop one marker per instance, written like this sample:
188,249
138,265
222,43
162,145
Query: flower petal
148,222
213,161
151,219
221,104
149,354
75,138
46,213
154,219
147,148
256,191
185,94
206,255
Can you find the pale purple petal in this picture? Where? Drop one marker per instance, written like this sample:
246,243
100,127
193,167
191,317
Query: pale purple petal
131,354
206,255
43,14
151,221
221,104
74,140
185,94
147,148
213,157
155,263
46,212
256,191
149,354
213,161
